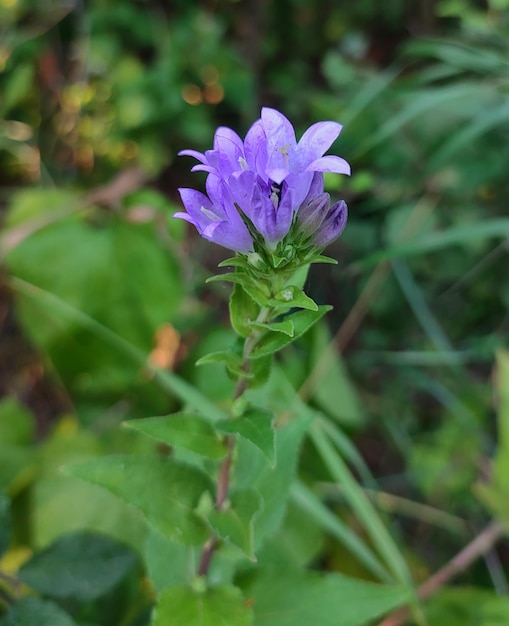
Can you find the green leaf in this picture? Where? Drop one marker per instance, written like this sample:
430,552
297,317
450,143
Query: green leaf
17,426
332,390
5,523
302,321
335,527
304,598
107,264
361,505
169,504
235,523
255,426
36,612
17,454
227,357
243,309
183,605
261,297
292,296
455,235
253,470
182,430
501,464
83,566
286,327
467,607
168,562
260,369
495,495
56,307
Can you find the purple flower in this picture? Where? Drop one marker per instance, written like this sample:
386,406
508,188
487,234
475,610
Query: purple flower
268,177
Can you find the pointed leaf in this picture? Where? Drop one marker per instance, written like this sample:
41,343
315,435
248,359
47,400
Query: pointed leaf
243,309
256,426
182,605
301,598
293,296
236,522
254,291
169,504
182,430
286,327
302,321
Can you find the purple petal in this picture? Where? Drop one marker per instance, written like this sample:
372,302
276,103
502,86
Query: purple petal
330,163
193,153
226,139
194,201
255,149
317,140
281,145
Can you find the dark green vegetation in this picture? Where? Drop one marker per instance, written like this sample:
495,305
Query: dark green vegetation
407,457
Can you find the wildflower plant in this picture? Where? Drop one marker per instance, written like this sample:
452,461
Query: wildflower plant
213,503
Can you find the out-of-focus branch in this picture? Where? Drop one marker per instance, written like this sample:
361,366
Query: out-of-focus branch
106,195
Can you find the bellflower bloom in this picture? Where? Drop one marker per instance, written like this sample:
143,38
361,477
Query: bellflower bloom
269,178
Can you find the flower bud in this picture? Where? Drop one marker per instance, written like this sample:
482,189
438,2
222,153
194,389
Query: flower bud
332,225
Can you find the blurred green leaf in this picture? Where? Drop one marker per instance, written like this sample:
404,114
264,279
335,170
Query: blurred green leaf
34,611
300,598
5,523
462,234
185,430
17,454
333,391
83,566
467,607
17,87
115,273
184,606
169,505
17,425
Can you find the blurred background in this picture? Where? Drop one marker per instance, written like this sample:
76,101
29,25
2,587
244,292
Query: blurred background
96,99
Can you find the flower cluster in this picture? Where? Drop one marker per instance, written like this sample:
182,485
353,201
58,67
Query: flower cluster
267,188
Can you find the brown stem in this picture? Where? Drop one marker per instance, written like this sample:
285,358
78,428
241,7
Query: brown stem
476,548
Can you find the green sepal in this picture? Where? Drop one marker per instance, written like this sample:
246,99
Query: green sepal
323,259
286,327
256,425
302,321
293,297
235,522
182,430
243,310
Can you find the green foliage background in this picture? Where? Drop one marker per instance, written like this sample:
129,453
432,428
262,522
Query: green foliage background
405,461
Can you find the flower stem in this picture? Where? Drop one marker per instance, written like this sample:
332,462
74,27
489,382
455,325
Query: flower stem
223,482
